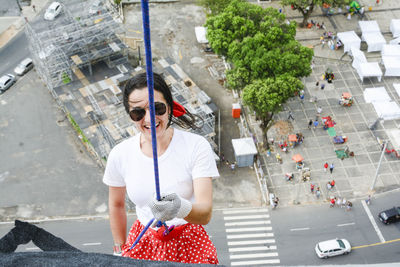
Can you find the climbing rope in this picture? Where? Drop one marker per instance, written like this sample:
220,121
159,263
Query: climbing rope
150,87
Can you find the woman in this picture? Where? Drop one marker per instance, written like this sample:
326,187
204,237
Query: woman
186,167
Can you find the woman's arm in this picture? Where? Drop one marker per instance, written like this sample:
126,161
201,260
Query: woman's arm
202,208
116,204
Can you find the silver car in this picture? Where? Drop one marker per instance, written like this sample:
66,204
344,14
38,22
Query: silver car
6,81
23,67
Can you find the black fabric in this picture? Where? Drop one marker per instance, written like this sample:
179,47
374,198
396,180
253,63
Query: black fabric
57,252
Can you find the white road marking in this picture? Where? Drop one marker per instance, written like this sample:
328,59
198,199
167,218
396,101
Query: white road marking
33,248
252,249
227,218
253,229
92,244
247,223
250,263
371,218
300,229
251,242
345,224
254,255
250,235
245,211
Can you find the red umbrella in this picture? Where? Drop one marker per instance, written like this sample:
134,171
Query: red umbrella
297,158
292,138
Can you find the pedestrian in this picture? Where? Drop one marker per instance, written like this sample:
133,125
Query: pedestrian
290,115
339,202
278,158
343,202
318,192
322,86
310,124
328,185
312,188
186,184
317,85
268,152
315,124
333,183
319,110
332,203
368,201
349,205
233,166
276,200
331,167
326,166
34,8
301,98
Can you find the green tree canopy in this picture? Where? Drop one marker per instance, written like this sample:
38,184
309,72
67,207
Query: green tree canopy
214,7
306,7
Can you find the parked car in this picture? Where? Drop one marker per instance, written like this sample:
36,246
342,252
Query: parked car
95,7
6,81
53,11
332,248
23,67
390,216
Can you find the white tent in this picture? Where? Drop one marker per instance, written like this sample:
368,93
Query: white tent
397,88
395,27
395,41
369,69
244,149
367,26
391,50
392,66
376,94
358,57
388,110
349,39
201,35
374,40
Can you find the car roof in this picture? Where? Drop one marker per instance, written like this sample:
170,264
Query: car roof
54,5
328,245
26,61
4,78
392,211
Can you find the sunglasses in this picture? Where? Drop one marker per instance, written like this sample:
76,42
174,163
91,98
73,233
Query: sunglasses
137,113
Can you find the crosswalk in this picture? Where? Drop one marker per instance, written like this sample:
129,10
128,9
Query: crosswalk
250,237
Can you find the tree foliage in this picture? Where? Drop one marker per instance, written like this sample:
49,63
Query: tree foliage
306,7
214,7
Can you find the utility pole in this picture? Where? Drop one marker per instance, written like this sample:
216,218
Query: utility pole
379,164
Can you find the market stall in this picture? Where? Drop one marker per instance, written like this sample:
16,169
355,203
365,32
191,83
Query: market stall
368,26
374,40
349,39
395,27
369,69
392,66
376,94
358,57
391,50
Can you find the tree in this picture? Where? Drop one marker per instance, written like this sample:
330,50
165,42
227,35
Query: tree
214,7
306,7
266,97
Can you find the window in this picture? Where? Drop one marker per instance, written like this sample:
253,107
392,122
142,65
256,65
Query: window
341,244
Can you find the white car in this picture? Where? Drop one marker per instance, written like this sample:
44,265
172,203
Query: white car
23,67
6,81
53,11
332,248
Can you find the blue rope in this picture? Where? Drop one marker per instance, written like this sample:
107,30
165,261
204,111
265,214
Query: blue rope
150,87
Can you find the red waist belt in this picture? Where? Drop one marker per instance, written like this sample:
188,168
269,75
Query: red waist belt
159,234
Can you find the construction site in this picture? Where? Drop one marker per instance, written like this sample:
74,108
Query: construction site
81,58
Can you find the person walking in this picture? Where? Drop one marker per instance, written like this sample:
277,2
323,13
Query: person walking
339,202
331,167
344,201
316,124
328,185
326,166
278,158
318,193
310,124
333,183
322,86
332,203
276,201
290,115
349,205
319,110
312,188
368,200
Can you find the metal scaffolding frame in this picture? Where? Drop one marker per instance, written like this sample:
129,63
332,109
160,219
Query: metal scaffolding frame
74,40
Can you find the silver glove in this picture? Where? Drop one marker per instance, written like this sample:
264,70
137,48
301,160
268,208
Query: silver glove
169,207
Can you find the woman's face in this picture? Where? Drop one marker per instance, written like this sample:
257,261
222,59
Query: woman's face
139,98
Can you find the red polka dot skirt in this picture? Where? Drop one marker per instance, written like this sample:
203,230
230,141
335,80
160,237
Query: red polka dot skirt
187,243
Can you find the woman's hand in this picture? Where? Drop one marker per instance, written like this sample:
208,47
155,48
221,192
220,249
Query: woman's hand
169,207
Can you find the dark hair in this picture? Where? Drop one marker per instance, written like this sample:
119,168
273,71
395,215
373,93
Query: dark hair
139,81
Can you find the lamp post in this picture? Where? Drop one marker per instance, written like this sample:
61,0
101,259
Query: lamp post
379,164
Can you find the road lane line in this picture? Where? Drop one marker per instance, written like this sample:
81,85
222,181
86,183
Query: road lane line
247,223
253,229
254,255
263,248
377,244
371,218
300,229
251,242
345,224
92,244
245,211
228,218
250,263
250,236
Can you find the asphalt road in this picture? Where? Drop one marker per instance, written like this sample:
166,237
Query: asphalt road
13,53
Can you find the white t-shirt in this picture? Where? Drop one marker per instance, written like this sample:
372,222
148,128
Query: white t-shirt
188,156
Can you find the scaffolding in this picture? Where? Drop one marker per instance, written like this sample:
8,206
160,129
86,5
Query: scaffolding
74,40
